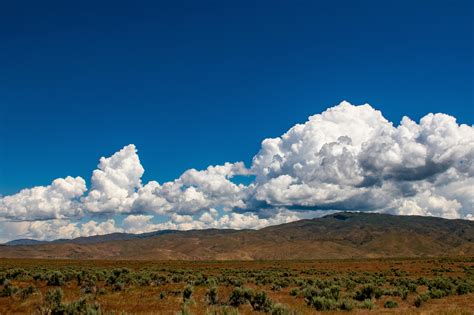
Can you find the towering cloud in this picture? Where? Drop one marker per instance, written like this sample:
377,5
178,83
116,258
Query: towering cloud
115,182
346,158
352,158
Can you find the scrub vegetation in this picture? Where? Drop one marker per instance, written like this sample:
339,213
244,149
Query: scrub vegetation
238,287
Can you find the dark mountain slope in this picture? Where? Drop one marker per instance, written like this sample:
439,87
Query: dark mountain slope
341,235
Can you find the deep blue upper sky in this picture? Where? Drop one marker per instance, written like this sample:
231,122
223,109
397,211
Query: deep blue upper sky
197,83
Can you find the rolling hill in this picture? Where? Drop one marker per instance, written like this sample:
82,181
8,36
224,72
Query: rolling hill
340,235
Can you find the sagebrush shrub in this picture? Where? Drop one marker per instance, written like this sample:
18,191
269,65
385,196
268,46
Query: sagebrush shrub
367,304
26,292
261,302
420,299
368,292
212,296
464,288
240,296
390,304
187,292
55,279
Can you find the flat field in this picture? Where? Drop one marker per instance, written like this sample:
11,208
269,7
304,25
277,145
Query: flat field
369,286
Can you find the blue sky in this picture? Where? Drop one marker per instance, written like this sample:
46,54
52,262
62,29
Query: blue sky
198,83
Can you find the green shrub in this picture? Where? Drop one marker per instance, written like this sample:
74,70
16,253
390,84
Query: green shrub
437,293
8,289
3,278
350,285
390,304
37,276
442,284
225,311
464,288
212,296
368,292
412,287
26,292
346,305
294,292
321,303
55,279
261,302
331,293
88,286
279,309
53,301
187,292
81,307
16,273
119,286
403,293
420,299
367,304
240,296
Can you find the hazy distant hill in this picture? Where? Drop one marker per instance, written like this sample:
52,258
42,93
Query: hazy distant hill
341,235
24,241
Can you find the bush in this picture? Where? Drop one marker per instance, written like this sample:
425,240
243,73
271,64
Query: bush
279,309
119,286
464,288
26,292
53,301
88,286
442,284
321,303
331,293
8,289
368,292
211,296
82,307
55,279
225,311
412,287
390,304
261,302
294,292
187,292
3,278
346,305
16,273
403,293
367,304
37,276
240,296
437,293
420,299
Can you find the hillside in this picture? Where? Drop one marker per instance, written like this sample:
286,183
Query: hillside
341,235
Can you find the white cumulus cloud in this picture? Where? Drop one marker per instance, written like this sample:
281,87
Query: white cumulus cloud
352,158
58,200
115,182
194,191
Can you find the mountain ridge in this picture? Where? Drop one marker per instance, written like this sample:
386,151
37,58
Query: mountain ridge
339,235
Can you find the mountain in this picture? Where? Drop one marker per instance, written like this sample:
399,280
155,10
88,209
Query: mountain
340,235
24,241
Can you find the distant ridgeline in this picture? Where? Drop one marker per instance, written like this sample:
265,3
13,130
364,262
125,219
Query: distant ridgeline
340,235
